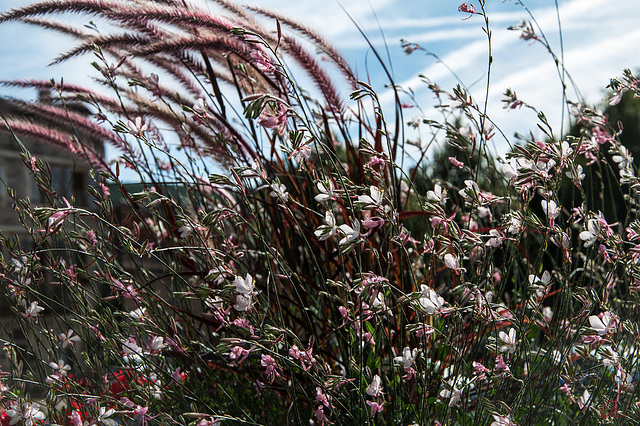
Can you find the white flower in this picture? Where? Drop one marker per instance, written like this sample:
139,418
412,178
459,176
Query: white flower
484,211
624,158
609,356
255,171
372,201
157,344
244,286
325,232
487,129
374,389
327,191
201,107
31,414
540,284
604,325
510,169
351,234
578,175
68,338
408,357
60,366
15,414
33,310
451,391
138,314
584,399
103,413
430,300
550,208
591,234
496,238
278,190
501,420
214,303
515,225
615,97
137,127
509,341
544,167
556,357
438,195
130,347
624,380
301,153
470,191
185,230
452,262
547,313
565,149
243,302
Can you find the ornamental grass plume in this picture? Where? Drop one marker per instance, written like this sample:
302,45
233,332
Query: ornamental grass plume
276,263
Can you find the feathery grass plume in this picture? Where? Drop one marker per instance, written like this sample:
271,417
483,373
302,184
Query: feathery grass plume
56,138
319,76
317,39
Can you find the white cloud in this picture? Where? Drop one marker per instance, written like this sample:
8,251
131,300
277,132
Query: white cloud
599,42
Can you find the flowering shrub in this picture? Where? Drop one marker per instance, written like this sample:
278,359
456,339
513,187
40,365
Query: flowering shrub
311,278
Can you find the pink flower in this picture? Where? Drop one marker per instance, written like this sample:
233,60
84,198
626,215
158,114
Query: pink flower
271,368
373,222
274,117
34,168
262,62
456,162
140,413
501,365
320,416
480,370
375,407
306,357
238,354
467,8
91,236
510,100
322,398
528,33
57,219
377,161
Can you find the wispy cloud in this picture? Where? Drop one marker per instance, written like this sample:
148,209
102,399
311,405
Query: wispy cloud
598,39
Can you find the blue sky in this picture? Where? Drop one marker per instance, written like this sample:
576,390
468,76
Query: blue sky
600,40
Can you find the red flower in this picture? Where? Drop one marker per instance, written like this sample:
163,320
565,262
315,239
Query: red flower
5,420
